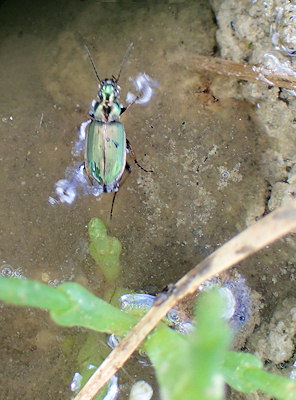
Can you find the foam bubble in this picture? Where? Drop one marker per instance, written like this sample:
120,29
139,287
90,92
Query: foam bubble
144,85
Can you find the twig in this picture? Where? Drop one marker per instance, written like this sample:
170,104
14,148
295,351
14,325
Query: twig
267,230
216,65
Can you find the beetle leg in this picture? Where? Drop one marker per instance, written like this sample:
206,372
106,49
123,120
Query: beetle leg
113,200
123,109
133,154
128,167
129,170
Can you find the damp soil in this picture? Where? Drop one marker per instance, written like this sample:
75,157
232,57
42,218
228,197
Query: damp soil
209,179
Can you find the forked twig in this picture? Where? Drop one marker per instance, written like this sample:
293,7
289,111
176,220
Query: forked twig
267,230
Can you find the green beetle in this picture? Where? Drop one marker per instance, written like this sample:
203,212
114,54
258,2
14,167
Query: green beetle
106,144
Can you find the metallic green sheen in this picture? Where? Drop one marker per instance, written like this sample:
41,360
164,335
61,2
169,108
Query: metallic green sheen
105,155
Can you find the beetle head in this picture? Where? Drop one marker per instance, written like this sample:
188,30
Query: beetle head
108,90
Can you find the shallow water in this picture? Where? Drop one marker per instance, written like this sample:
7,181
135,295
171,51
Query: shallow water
206,157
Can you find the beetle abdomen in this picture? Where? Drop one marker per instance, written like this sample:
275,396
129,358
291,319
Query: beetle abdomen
105,154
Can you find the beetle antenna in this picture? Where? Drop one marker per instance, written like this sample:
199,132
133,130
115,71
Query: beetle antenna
92,63
125,57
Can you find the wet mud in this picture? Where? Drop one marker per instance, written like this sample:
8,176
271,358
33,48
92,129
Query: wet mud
210,180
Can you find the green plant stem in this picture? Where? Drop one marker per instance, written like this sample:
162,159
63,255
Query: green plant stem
69,304
104,249
243,371
276,386
29,293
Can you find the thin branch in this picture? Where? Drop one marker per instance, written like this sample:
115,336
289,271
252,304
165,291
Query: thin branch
220,66
270,228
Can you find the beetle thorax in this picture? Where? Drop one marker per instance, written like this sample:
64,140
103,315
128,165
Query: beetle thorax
107,109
